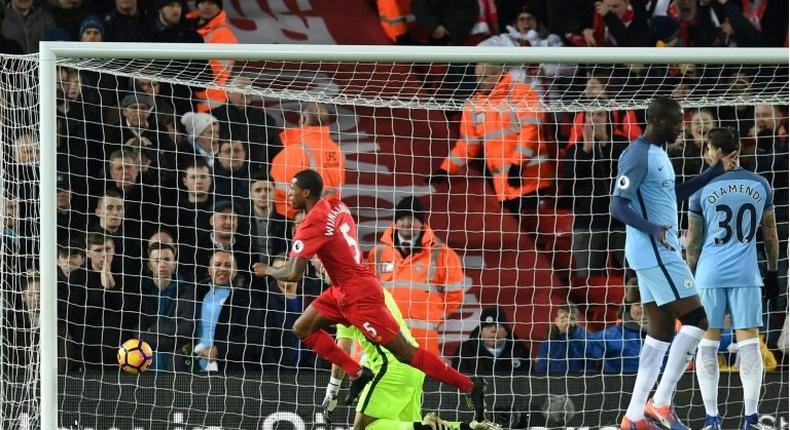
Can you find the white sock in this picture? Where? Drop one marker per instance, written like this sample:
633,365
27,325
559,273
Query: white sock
708,374
649,367
751,373
680,353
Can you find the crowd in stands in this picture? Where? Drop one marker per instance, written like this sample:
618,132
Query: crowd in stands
168,196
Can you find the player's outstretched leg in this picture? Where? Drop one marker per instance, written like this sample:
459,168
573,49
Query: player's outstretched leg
431,422
437,369
309,328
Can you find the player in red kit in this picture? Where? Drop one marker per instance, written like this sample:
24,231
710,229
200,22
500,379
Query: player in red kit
355,298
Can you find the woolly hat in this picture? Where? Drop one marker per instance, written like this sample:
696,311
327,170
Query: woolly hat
410,206
196,122
493,315
91,21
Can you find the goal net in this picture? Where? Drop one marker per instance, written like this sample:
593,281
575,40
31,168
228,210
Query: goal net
171,185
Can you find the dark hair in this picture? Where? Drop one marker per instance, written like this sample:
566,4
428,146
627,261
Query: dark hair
161,246
260,175
724,138
70,248
660,108
109,192
195,162
310,180
96,239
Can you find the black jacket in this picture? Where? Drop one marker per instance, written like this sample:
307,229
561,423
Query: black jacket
474,358
252,125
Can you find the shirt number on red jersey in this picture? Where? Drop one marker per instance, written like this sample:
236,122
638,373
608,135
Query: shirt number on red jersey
369,328
345,229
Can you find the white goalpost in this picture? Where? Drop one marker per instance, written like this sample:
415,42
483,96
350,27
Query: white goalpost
396,113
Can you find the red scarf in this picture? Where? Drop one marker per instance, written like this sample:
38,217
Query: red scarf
487,17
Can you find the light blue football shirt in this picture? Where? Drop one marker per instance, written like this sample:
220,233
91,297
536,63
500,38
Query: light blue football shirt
645,177
732,207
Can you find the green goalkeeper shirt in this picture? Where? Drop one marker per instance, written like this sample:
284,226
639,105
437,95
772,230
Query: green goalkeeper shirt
372,354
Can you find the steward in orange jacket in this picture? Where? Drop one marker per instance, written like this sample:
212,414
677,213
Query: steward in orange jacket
396,18
214,28
423,274
308,146
501,122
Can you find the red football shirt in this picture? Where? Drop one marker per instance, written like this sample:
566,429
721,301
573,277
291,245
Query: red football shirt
329,231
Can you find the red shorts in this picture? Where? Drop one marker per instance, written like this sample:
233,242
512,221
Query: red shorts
369,314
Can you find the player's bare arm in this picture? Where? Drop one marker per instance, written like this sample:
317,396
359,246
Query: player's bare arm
694,247
291,271
771,238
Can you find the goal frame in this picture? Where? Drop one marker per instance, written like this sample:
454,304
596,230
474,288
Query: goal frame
51,52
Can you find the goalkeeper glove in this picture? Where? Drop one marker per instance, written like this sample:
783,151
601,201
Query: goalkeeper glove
440,176
329,404
771,286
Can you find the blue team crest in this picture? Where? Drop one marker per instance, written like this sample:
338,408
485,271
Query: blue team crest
688,283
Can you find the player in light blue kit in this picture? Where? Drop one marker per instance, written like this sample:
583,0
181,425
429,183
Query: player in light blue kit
646,200
723,220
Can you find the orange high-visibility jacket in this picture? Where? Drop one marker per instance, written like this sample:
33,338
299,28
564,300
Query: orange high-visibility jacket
215,30
308,147
395,17
505,123
428,285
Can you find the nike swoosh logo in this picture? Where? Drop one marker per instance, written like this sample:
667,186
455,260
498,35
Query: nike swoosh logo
661,168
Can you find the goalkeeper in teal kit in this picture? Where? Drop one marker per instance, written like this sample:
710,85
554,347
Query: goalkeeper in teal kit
723,220
393,399
646,199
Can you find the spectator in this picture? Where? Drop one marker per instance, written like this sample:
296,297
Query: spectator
213,27
68,15
773,22
492,348
164,237
26,23
241,120
308,146
104,300
268,229
568,18
228,328
137,121
71,259
624,123
525,30
587,170
686,154
667,31
203,135
68,220
396,20
142,201
619,346
111,222
232,170
516,156
447,22
733,27
127,23
170,25
767,155
196,204
424,276
285,302
167,306
22,325
563,350
224,235
91,29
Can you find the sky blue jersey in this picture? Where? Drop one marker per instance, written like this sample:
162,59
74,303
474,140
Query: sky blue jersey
732,207
645,177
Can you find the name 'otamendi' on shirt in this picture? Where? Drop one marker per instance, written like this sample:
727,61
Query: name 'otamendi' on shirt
732,207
